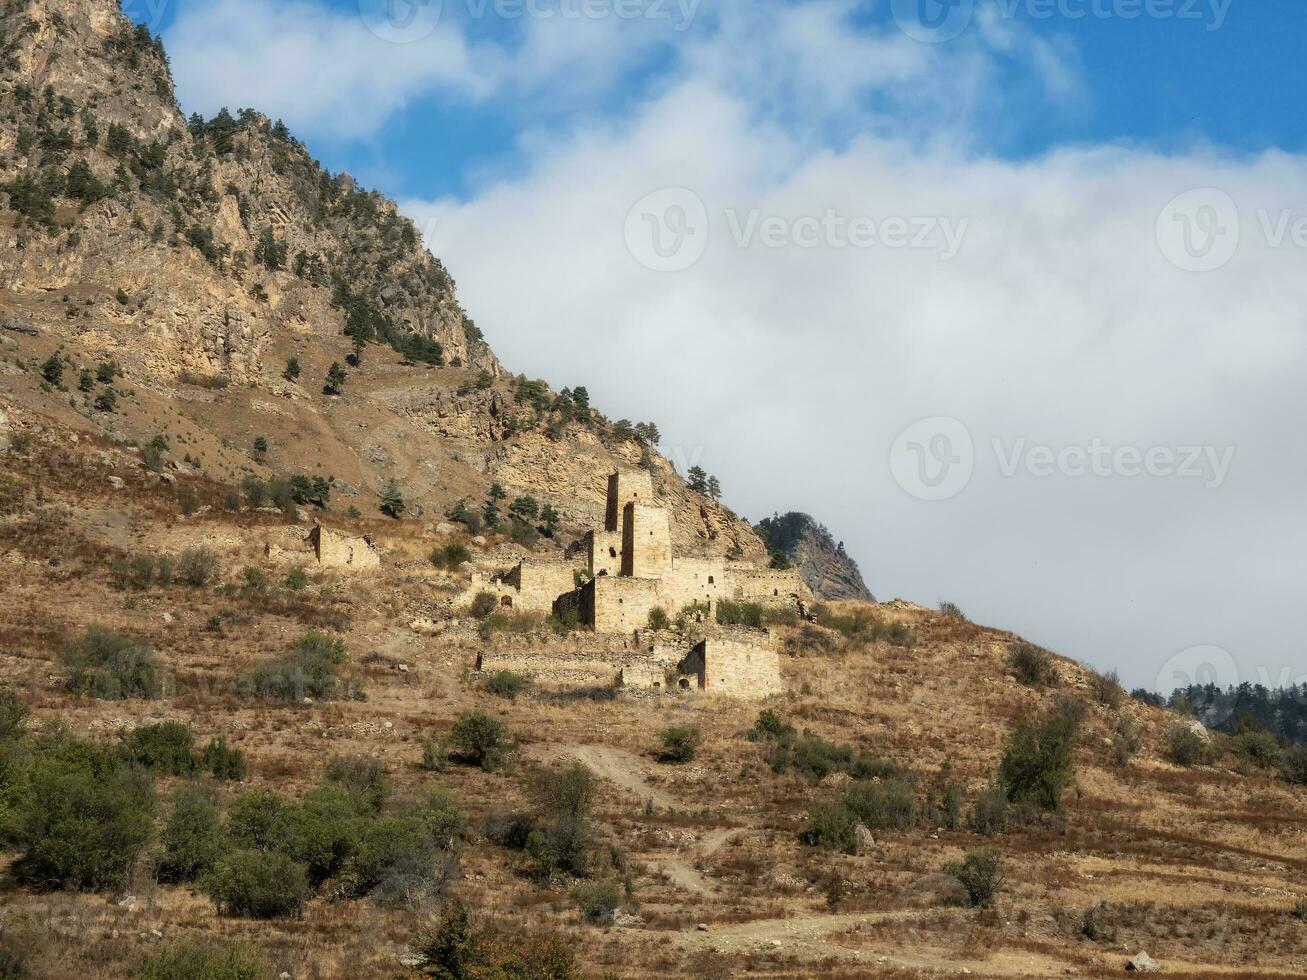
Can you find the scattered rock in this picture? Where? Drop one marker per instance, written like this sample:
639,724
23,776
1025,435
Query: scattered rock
168,617
864,842
625,920
1143,963
117,482
702,927
407,959
446,529
479,540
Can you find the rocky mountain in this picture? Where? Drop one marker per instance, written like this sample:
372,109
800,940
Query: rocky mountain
218,274
798,540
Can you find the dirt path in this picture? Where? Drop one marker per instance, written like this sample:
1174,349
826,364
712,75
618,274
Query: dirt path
617,766
626,769
811,937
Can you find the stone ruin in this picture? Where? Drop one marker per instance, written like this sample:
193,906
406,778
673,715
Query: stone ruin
631,570
323,548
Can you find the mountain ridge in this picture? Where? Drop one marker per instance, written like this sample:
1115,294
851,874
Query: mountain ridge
202,256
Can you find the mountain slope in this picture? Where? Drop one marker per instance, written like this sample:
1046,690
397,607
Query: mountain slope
201,257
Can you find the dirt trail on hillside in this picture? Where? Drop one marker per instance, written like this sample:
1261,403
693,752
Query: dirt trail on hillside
627,770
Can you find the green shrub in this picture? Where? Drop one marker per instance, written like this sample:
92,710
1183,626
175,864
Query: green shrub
732,613
197,567
222,761
680,743
310,669
187,501
1257,747
483,604
257,884
831,825
981,874
13,714
192,836
507,684
989,813
406,857
1037,765
321,832
1126,741
480,739
770,727
361,776
597,901
1293,765
111,666
1188,748
952,610
455,948
1032,665
1107,689
567,790
563,845
78,821
1299,910
450,557
884,804
261,820
167,746
658,619
204,961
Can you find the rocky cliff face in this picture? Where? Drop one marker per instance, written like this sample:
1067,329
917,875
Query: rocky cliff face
185,246
824,564
199,258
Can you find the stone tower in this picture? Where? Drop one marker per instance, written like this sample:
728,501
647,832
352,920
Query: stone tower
646,541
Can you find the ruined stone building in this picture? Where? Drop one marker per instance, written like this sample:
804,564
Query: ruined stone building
631,570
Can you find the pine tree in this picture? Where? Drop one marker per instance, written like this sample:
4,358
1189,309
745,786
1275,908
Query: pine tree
336,378
697,479
714,488
392,500
292,371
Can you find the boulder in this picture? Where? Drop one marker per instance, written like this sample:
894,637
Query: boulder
1199,729
1143,963
864,842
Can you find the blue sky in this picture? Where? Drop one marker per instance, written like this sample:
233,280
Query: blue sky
1213,71
907,283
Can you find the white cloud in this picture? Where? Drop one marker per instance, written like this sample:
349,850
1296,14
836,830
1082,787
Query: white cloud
1061,321
324,72
792,370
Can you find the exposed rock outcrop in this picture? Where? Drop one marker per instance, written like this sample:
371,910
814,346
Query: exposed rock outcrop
824,564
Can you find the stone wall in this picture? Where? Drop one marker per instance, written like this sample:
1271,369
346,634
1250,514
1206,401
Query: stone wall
767,586
626,487
537,584
733,665
604,552
618,605
694,580
337,550
646,541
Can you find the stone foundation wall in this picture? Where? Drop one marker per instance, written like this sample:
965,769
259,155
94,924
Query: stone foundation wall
538,584
734,667
767,586
695,580
619,605
337,550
